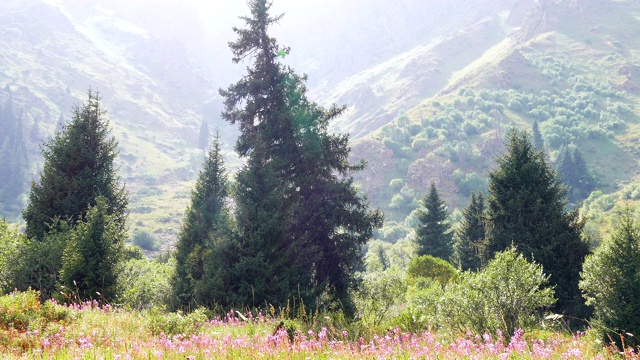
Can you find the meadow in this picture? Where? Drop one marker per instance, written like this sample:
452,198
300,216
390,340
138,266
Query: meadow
30,329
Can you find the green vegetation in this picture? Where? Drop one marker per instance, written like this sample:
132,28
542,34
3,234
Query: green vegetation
468,246
433,233
610,281
78,168
301,221
526,208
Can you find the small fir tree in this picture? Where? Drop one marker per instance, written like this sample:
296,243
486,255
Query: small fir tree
91,262
576,175
526,208
206,216
433,235
611,284
538,142
470,235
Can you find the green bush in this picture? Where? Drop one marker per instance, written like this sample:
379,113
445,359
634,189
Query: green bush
430,268
396,184
173,323
378,294
145,283
506,295
145,240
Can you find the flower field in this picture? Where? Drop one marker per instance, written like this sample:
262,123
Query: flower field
30,330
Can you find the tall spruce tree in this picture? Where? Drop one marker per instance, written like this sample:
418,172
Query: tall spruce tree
301,220
470,235
207,216
433,235
78,168
526,207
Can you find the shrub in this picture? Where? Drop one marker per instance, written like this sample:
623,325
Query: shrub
432,268
378,294
508,294
145,283
396,184
145,240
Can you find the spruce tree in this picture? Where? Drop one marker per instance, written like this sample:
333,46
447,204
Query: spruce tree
78,168
470,235
301,220
207,216
611,284
575,174
526,207
433,235
538,142
91,262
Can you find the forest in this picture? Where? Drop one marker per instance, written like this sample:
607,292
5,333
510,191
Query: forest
288,255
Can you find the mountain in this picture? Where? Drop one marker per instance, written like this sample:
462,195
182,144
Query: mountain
430,86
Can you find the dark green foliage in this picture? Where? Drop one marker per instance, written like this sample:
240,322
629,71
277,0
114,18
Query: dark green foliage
39,262
301,220
433,235
13,160
206,217
611,284
91,262
526,207
78,168
470,235
538,143
575,174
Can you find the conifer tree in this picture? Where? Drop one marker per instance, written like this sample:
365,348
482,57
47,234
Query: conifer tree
78,168
93,254
433,235
301,220
575,174
538,142
611,284
526,207
206,216
470,235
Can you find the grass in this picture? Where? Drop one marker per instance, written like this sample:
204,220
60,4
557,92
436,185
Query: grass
93,331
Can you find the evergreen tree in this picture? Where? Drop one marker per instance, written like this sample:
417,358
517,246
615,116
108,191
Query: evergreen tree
470,235
433,235
611,284
573,169
78,168
538,142
526,207
93,254
205,217
301,220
